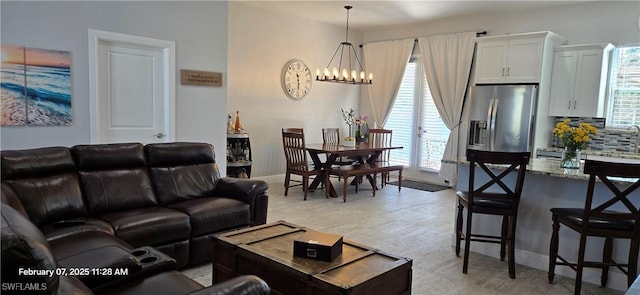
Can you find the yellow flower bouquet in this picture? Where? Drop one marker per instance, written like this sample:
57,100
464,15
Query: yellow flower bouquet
573,139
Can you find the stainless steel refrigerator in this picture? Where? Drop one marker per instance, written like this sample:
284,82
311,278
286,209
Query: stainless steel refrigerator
502,117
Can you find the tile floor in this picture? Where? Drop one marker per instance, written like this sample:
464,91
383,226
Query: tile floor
414,224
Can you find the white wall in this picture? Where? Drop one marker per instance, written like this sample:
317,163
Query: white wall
260,43
587,22
250,46
198,28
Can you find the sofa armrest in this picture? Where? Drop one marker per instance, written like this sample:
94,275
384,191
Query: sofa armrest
244,190
96,266
250,191
246,285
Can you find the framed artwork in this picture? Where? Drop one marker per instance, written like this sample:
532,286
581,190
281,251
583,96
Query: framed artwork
35,87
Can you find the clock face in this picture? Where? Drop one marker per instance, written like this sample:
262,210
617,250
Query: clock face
296,79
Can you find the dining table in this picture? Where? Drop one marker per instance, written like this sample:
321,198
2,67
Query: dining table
362,153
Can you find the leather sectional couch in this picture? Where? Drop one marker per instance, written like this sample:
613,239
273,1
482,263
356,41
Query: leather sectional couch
112,206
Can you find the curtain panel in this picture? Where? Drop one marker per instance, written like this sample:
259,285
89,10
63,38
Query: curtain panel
447,62
387,60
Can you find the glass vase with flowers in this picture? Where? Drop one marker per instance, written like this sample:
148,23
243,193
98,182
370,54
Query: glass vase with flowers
349,118
574,140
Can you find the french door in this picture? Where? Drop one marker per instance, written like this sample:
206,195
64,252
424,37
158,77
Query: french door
416,124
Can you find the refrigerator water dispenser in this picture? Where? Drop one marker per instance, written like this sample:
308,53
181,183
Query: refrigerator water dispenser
478,133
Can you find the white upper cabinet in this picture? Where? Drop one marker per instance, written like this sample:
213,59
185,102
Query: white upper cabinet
512,58
578,80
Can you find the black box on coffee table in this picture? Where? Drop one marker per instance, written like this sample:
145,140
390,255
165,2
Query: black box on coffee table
317,245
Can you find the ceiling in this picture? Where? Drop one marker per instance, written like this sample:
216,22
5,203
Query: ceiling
373,15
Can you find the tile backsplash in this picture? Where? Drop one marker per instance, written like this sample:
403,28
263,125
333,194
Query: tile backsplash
618,140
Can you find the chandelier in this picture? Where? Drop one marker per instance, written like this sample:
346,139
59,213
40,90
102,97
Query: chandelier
346,74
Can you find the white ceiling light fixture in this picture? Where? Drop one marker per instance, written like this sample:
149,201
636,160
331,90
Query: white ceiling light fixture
345,72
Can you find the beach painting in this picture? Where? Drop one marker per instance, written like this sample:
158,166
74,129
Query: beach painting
35,87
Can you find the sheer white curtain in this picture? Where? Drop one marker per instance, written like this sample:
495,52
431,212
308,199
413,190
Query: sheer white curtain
447,63
387,61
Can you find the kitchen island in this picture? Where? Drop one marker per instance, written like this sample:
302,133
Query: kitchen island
546,186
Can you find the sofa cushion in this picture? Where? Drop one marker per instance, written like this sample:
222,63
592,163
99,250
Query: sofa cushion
115,190
72,245
9,197
149,226
35,162
72,285
179,154
182,171
24,246
69,227
111,257
210,215
96,157
51,198
46,183
114,177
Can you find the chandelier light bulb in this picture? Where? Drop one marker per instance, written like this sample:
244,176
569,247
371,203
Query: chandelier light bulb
326,73
317,74
336,74
370,77
362,75
345,74
354,75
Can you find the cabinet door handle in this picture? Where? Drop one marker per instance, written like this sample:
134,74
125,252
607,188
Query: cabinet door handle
503,71
574,104
569,106
508,68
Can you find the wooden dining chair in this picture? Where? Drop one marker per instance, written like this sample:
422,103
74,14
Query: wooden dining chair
381,138
498,196
293,130
331,135
295,153
612,217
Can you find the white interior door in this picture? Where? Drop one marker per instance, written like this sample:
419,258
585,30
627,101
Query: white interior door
133,90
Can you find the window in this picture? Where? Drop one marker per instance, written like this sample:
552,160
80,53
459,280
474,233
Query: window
400,112
423,145
624,88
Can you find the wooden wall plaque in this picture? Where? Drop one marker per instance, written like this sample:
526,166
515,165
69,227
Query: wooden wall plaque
201,78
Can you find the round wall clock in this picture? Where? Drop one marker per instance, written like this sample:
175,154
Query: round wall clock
296,79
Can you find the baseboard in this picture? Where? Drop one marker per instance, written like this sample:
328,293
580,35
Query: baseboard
617,280
271,178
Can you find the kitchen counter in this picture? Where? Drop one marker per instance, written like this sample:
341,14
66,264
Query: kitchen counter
551,166
556,152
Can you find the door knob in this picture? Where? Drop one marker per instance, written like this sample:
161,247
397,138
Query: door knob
159,135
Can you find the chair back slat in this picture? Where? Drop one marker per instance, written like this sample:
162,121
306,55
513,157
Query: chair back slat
295,151
330,135
618,206
516,161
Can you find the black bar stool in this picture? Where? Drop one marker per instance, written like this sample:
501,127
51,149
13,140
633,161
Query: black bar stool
617,217
485,200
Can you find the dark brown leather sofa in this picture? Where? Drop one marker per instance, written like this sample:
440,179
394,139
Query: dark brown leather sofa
26,253
96,205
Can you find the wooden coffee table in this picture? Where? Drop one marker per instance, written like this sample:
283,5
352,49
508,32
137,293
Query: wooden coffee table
267,251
